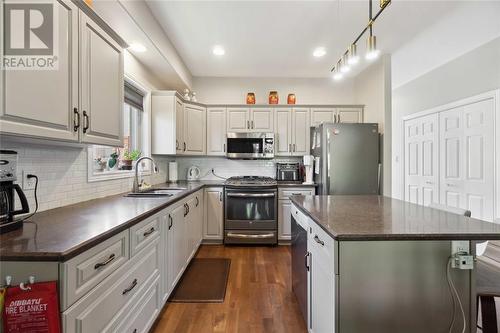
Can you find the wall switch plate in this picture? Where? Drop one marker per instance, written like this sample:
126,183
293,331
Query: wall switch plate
28,183
459,247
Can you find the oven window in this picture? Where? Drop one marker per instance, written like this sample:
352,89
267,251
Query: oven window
245,145
240,208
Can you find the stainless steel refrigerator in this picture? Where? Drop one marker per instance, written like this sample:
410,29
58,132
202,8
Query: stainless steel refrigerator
346,158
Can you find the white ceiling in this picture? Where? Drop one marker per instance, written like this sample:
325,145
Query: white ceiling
277,38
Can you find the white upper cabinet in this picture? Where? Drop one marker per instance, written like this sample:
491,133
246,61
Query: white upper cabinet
102,83
44,103
194,130
167,119
349,115
322,115
238,120
300,131
216,131
283,120
261,120
50,104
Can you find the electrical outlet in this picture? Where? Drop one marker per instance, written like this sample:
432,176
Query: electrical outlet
28,183
462,247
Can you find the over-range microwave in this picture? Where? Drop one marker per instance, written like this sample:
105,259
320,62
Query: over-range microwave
250,145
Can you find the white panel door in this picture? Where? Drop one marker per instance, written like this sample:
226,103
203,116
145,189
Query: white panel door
216,131
238,120
300,131
194,130
283,120
102,82
42,103
261,120
284,220
421,160
467,159
322,115
350,115
214,214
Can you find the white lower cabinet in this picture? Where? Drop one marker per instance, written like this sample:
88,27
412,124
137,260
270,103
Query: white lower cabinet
213,226
321,286
284,205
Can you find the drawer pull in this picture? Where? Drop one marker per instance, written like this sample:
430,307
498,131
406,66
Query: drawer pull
306,257
129,289
197,201
170,222
149,232
296,193
319,241
105,262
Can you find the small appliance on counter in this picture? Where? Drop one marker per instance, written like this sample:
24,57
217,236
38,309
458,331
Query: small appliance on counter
308,166
172,172
8,189
193,173
288,172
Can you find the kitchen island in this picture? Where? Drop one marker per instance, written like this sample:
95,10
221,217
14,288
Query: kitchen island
376,264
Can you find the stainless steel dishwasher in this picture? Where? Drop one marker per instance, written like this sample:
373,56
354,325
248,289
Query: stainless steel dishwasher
300,266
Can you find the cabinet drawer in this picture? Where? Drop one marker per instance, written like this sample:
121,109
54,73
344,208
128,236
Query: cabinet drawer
322,245
144,312
83,272
285,193
98,310
142,233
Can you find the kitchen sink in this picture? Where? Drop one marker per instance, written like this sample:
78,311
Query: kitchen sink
156,193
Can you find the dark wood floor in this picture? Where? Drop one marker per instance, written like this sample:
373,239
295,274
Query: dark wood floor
259,296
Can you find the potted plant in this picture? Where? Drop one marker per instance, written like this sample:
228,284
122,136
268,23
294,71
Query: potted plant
129,157
113,160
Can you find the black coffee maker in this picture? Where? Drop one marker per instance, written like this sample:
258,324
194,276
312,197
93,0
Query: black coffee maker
8,190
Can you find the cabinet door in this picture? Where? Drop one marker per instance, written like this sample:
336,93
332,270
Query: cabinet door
102,82
261,120
179,127
40,103
176,245
350,115
283,120
216,131
199,218
322,293
284,220
300,131
238,120
214,214
194,130
322,115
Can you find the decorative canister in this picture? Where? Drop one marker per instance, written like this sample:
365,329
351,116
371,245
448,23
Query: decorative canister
291,99
251,98
273,97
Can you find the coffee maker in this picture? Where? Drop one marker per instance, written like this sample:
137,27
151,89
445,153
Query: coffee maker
8,190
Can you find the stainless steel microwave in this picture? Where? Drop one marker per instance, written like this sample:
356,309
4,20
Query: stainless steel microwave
250,145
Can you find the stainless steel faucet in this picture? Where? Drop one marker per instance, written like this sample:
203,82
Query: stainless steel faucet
137,185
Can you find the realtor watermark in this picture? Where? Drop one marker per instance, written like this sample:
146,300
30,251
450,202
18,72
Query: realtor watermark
30,35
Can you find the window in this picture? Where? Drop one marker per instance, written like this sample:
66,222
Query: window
117,162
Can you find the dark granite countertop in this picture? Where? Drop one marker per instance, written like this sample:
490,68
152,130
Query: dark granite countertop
62,233
369,217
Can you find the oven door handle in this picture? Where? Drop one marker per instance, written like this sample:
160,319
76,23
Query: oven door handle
251,195
247,236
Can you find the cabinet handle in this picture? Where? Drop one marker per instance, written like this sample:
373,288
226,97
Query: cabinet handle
185,210
76,120
319,241
129,289
248,124
294,147
197,201
253,125
188,208
306,261
170,222
290,147
184,146
338,118
429,183
334,118
105,262
224,147
220,196
176,144
85,121
149,232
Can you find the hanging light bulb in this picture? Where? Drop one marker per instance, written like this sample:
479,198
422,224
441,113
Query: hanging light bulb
371,48
352,55
344,67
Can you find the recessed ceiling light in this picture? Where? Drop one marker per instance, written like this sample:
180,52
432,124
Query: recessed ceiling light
319,52
218,50
137,47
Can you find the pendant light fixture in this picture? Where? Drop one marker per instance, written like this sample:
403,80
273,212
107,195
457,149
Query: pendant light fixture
350,57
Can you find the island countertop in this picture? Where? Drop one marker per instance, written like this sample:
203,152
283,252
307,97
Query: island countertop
371,217
62,233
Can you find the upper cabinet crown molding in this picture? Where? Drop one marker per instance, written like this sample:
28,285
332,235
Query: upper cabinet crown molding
74,103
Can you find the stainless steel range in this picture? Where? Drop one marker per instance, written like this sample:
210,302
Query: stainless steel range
250,215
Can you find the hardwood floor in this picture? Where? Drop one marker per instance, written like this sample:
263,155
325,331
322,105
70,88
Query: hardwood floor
259,296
